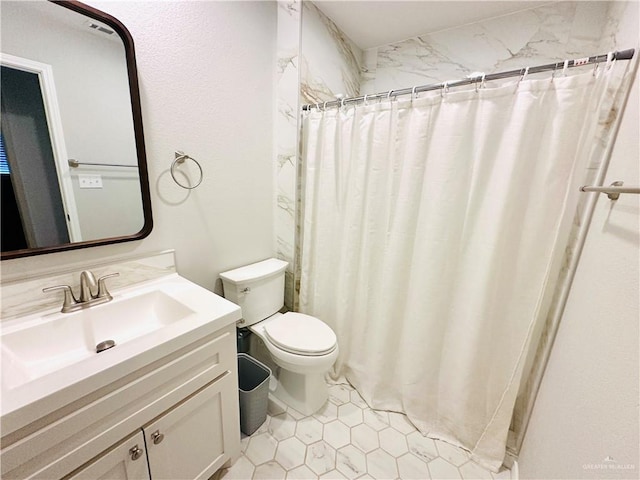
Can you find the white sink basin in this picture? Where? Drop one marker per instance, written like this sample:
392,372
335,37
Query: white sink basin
49,358
72,337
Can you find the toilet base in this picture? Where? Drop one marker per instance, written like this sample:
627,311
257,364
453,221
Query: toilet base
304,393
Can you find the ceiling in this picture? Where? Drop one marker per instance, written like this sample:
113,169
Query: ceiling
373,23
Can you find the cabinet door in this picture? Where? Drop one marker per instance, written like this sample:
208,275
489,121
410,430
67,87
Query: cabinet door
188,441
127,461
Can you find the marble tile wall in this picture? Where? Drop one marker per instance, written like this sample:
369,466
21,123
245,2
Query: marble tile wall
315,62
286,136
330,62
541,35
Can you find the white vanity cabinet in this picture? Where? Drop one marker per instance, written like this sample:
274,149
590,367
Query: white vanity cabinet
187,442
127,461
181,411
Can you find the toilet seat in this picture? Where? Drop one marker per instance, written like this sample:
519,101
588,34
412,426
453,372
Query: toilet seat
301,334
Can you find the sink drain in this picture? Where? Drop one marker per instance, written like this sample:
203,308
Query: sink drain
106,345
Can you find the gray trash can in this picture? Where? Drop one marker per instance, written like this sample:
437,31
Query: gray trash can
253,381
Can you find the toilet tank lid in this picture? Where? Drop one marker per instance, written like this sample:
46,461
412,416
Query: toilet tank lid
255,271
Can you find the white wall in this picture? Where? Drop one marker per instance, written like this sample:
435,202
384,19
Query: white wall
587,407
206,72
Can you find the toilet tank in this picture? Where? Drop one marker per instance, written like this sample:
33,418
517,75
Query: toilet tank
258,289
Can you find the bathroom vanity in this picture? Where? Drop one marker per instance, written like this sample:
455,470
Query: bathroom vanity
161,404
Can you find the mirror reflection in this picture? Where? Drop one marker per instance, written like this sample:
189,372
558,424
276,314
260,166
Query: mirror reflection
68,156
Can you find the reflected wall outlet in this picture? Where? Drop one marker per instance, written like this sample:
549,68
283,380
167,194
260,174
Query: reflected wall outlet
90,181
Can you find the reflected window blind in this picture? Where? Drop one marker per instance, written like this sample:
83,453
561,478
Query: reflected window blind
4,166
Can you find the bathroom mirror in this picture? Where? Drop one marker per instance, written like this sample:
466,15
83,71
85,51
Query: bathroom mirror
72,155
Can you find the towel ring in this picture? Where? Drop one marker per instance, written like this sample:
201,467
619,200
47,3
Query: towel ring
179,160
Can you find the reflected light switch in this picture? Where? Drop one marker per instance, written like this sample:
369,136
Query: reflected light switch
90,181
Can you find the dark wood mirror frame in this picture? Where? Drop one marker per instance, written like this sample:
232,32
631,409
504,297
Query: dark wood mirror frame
127,40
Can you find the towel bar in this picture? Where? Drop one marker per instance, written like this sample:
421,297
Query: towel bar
613,191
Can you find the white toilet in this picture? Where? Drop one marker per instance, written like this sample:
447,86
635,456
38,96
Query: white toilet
302,346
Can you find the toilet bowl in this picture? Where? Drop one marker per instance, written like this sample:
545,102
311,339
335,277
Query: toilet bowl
302,346
301,383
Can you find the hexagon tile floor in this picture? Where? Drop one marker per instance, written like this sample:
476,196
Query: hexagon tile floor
347,439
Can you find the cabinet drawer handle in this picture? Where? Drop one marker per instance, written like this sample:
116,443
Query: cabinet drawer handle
135,452
157,437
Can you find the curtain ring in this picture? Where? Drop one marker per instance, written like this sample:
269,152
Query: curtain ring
610,60
482,83
444,89
413,93
565,67
524,75
342,102
324,106
365,100
318,106
478,80
389,95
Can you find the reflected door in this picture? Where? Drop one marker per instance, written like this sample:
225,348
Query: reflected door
32,168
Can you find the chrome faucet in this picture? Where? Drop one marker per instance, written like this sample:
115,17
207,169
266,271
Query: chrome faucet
88,285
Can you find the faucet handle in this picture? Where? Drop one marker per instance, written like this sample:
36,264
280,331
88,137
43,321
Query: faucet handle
102,288
69,299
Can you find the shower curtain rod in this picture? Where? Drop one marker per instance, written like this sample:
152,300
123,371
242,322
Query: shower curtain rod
579,62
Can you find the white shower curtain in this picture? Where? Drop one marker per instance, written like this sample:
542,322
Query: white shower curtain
431,231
